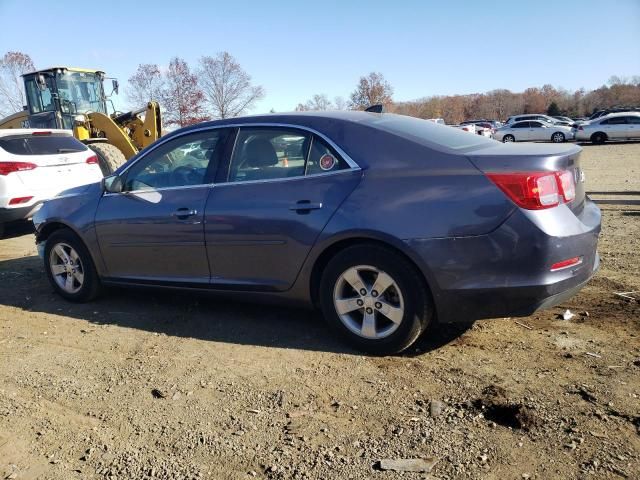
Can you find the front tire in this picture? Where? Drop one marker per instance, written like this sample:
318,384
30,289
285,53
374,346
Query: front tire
110,157
70,268
375,299
558,137
598,138
508,139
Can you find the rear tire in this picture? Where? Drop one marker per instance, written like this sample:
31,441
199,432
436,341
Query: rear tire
70,268
110,157
380,322
598,138
558,137
508,139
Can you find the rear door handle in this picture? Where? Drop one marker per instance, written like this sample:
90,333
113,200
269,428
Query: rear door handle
305,206
184,213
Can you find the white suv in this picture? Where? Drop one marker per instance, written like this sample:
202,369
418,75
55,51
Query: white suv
36,165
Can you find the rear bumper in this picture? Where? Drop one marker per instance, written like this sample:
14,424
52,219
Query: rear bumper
18,213
507,273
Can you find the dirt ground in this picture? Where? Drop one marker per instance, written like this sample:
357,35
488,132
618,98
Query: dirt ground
143,384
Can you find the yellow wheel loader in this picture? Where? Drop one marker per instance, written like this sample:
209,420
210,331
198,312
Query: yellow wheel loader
74,99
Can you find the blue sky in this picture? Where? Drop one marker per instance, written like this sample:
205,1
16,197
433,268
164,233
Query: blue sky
295,49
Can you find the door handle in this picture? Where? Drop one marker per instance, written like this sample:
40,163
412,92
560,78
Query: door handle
184,213
305,206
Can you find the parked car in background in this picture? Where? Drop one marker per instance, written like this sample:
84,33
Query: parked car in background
36,165
560,118
494,123
615,126
469,127
483,127
531,116
535,130
602,113
437,120
509,229
566,123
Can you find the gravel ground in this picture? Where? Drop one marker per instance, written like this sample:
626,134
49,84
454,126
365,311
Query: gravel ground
142,385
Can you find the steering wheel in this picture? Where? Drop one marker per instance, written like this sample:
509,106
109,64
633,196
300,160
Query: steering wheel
185,175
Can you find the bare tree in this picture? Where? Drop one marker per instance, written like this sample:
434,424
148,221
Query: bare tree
182,98
146,84
227,87
12,66
340,103
317,102
371,90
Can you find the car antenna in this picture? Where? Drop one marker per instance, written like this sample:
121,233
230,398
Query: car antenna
378,108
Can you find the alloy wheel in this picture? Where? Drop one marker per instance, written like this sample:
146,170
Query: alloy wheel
368,301
66,268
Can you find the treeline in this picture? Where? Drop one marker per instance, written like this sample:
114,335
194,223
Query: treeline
500,104
218,87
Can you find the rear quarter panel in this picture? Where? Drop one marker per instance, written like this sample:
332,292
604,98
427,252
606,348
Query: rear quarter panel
409,191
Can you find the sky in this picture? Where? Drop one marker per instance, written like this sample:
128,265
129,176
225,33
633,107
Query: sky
296,49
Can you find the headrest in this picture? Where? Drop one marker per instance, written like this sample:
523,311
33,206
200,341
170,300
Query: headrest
260,153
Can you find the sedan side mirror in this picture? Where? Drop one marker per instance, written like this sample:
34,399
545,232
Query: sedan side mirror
112,184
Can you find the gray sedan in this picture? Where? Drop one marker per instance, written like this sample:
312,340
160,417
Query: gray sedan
533,131
384,222
615,126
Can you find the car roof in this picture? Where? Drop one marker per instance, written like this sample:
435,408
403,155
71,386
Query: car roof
341,126
618,114
7,132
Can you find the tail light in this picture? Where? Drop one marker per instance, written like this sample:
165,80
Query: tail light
38,134
9,167
92,160
536,190
19,200
567,185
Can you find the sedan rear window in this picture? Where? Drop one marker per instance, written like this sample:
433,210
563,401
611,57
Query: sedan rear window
41,144
430,133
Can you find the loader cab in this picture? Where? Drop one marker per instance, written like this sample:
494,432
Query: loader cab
56,96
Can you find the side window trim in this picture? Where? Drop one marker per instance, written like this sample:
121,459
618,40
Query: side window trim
306,157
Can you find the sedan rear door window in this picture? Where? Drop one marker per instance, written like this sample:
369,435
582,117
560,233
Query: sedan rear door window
264,153
615,121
